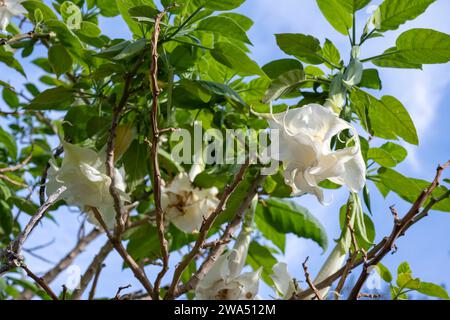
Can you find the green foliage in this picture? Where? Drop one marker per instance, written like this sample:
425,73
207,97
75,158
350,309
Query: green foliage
205,73
406,283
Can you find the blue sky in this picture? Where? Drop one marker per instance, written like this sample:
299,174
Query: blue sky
425,94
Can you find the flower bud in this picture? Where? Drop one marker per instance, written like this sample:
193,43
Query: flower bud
354,72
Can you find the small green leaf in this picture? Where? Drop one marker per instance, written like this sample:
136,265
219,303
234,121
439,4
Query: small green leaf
394,13
424,46
24,205
276,68
234,58
371,79
260,256
58,98
9,143
224,26
59,59
223,5
71,15
336,14
284,84
288,217
10,97
331,53
306,48
384,272
89,29
433,290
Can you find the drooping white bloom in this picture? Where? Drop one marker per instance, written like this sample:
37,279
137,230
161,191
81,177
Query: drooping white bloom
305,150
83,172
284,283
185,205
224,281
9,9
334,262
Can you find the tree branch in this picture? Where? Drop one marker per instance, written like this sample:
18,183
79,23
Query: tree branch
218,246
154,155
206,226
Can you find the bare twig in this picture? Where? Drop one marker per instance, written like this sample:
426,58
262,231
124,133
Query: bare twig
20,37
19,165
117,244
92,269
40,281
119,291
382,244
400,226
309,281
218,246
51,275
95,282
206,226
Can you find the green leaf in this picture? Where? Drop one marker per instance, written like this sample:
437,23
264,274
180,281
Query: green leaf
7,57
284,84
433,290
10,97
71,15
125,5
269,231
8,142
384,272
386,118
144,244
395,60
388,155
24,205
243,21
306,48
68,39
234,58
392,111
394,13
108,8
31,6
331,53
424,46
276,68
336,14
89,29
223,5
371,79
135,162
58,98
260,256
288,217
132,49
354,5
224,26
59,59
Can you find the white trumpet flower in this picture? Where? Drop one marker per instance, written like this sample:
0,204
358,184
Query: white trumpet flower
187,206
284,283
306,134
9,9
83,172
224,281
